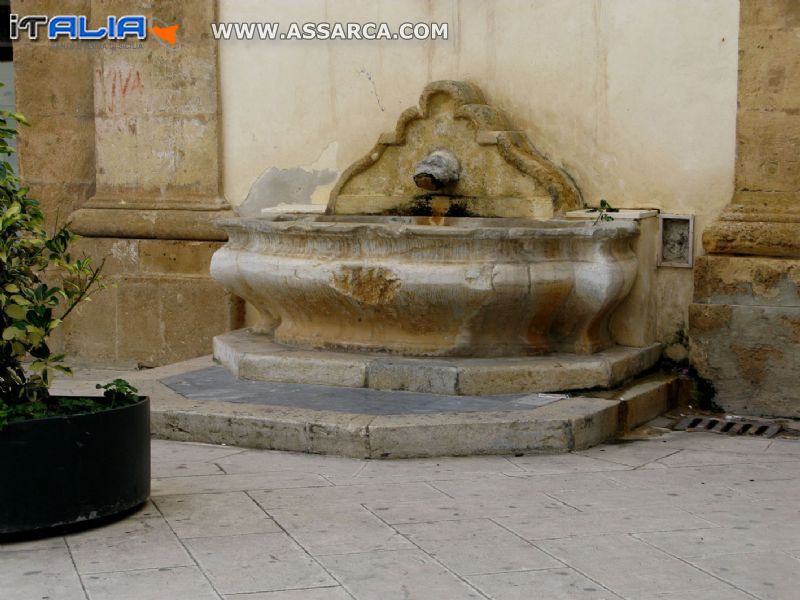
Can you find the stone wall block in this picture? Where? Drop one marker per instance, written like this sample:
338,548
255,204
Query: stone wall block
196,167
747,280
177,154
773,14
750,353
91,329
129,147
57,148
41,94
769,150
765,83
709,317
194,310
121,256
139,327
59,199
174,256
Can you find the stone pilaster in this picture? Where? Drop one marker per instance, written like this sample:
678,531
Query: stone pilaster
745,321
150,142
54,91
156,113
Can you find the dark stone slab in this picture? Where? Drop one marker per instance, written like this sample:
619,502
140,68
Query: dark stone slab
216,383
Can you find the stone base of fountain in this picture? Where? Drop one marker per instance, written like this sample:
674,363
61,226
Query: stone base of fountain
254,356
199,401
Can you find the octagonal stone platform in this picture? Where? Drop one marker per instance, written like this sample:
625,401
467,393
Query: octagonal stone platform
203,402
200,401
250,355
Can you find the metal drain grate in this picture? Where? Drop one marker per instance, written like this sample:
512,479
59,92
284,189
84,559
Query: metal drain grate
729,426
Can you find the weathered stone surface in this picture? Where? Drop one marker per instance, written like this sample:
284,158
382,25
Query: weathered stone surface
60,198
50,7
763,206
469,287
757,238
562,426
463,434
591,420
556,372
173,256
323,368
91,329
252,355
157,112
421,375
644,400
743,328
139,323
634,322
624,364
773,14
750,353
72,136
709,317
40,94
144,223
543,374
771,161
151,316
496,163
747,280
764,82
215,417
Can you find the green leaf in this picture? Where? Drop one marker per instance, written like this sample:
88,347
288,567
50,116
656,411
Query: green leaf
15,311
20,118
12,210
11,333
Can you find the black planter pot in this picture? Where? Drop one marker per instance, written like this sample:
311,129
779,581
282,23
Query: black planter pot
62,471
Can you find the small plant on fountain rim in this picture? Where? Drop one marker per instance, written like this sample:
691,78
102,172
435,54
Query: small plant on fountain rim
603,211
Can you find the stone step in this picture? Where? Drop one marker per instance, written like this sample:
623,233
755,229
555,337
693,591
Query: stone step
267,416
254,356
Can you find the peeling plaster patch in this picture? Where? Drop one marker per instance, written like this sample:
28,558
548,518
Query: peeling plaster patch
299,185
289,186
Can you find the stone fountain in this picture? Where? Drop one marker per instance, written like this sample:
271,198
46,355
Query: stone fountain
443,264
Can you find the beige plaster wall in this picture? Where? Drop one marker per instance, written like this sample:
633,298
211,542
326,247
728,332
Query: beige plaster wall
636,99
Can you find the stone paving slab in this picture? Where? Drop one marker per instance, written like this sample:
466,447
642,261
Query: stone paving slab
621,521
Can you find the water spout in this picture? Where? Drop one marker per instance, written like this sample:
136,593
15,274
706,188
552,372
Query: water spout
437,170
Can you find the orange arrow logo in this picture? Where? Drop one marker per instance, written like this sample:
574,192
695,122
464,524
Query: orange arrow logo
166,33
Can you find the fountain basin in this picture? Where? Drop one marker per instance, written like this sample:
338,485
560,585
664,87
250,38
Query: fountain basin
430,286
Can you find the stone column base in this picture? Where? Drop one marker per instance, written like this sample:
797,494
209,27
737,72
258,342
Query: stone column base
757,223
165,306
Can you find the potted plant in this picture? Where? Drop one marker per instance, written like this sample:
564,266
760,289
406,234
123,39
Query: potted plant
65,459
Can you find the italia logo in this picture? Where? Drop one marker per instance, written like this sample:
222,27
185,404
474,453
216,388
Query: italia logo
76,27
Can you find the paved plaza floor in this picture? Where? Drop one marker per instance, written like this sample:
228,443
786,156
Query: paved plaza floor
681,516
